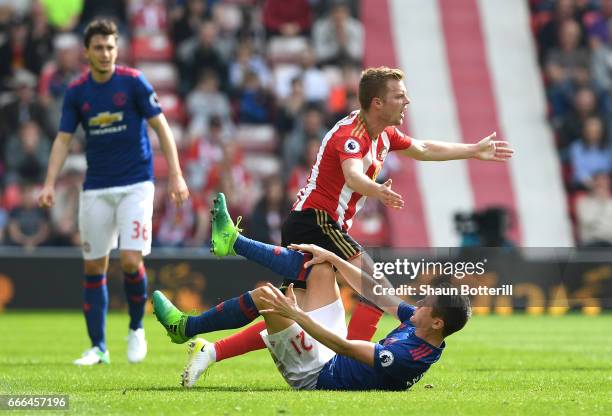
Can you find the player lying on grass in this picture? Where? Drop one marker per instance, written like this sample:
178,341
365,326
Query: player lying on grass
305,332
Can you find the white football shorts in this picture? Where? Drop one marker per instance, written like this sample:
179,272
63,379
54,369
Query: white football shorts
122,212
298,356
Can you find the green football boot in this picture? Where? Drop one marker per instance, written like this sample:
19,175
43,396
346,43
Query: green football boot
170,317
224,232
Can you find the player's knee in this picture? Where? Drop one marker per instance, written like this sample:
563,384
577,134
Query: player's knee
94,267
130,261
260,295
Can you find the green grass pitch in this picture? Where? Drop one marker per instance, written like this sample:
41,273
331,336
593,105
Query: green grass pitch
497,365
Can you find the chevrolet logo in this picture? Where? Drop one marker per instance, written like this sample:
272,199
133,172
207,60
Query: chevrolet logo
105,119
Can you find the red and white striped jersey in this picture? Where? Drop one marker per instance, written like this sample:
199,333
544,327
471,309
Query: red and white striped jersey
326,188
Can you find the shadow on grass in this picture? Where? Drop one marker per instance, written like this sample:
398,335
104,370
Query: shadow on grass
202,389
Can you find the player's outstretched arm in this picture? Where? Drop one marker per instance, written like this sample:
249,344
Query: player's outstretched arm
286,306
352,169
177,188
487,149
59,151
359,280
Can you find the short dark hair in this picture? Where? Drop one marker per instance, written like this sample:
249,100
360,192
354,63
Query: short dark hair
454,310
104,27
373,83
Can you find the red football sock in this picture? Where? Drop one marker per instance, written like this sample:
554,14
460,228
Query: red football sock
364,319
240,343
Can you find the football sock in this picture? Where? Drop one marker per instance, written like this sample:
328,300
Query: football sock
281,260
95,303
364,320
135,285
233,313
249,339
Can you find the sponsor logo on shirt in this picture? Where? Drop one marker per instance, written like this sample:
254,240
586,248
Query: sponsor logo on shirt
104,121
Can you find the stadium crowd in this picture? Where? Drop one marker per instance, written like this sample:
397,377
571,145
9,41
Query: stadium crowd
574,39
249,86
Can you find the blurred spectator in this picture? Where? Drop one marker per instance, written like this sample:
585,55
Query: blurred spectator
228,18
585,106
316,87
13,51
338,38
266,220
63,15
565,62
187,20
23,108
548,37
246,60
180,226
27,155
597,25
39,45
300,173
291,107
65,211
594,213
287,17
255,104
371,225
230,177
200,54
311,124
203,154
590,154
206,101
148,17
57,74
28,224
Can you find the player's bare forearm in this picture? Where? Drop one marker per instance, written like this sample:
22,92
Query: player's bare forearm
359,181
59,151
286,305
176,184
362,351
352,170
432,150
362,282
166,143
488,149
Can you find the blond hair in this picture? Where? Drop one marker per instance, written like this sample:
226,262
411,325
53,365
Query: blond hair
373,83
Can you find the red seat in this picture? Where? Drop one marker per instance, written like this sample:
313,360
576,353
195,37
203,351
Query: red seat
152,48
173,107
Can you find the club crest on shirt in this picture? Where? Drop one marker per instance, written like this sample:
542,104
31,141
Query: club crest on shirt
352,146
386,358
382,154
119,99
